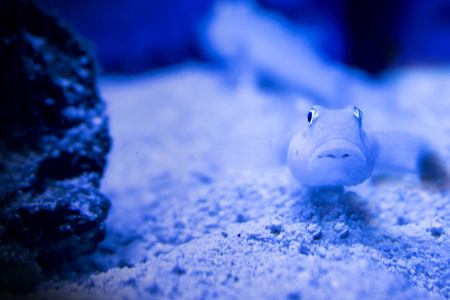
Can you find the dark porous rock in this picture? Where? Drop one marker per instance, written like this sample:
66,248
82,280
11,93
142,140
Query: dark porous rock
53,142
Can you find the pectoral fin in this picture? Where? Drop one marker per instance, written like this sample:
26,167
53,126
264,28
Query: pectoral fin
399,152
403,152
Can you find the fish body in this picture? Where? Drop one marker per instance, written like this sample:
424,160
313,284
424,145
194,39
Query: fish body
334,150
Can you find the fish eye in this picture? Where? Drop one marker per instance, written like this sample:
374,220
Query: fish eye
312,115
358,113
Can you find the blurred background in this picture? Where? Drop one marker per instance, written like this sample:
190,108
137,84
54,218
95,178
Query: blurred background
372,35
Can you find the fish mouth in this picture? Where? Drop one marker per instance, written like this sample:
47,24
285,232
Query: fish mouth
337,156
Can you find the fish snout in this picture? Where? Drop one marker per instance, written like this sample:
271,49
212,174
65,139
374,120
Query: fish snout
338,150
338,153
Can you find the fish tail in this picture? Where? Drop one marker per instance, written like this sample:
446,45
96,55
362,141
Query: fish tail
433,172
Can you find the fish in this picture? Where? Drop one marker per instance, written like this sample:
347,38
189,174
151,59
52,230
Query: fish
333,149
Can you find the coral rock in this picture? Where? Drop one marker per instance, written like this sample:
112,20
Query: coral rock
53,142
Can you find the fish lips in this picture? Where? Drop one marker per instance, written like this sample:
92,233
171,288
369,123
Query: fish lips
339,162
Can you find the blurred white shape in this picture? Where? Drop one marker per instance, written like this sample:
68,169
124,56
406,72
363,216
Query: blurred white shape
253,40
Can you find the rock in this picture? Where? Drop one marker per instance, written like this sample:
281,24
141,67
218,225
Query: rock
53,142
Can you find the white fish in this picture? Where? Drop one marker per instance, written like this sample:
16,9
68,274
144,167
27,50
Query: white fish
334,150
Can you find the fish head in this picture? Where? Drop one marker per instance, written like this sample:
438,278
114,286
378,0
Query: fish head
332,149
